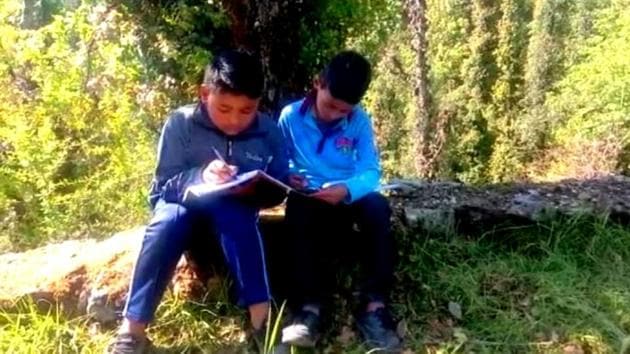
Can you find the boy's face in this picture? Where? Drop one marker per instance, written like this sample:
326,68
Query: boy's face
328,108
231,113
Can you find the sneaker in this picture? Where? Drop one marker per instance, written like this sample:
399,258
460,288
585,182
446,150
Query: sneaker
304,330
127,343
378,330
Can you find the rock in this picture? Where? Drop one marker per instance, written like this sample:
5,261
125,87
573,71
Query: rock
584,196
85,277
621,179
65,272
438,220
97,307
529,205
92,277
450,206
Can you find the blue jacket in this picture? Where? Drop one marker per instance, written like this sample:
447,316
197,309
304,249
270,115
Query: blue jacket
186,147
346,153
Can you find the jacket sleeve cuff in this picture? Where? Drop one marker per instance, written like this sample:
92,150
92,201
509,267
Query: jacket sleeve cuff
356,191
361,185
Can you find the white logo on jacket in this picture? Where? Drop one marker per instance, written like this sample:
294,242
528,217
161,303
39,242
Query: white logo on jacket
254,157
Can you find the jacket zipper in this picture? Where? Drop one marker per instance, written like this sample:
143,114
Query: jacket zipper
229,150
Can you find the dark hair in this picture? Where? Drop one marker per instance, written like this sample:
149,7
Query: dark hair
236,72
347,76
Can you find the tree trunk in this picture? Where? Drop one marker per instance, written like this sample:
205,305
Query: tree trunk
424,149
31,14
38,13
271,28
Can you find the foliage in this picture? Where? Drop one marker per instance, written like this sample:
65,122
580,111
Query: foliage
520,89
543,67
89,87
472,145
504,163
526,89
359,24
591,103
388,100
78,124
517,81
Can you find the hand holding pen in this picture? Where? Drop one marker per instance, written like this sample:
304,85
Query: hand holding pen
219,171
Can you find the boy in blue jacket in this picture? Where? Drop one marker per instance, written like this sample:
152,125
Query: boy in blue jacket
208,142
332,155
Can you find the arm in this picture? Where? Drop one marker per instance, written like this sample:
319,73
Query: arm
172,175
279,165
295,179
283,124
368,171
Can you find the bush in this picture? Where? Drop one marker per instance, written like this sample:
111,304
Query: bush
390,102
79,118
592,107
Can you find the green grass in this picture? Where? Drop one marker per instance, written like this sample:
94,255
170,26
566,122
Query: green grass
521,290
533,289
29,331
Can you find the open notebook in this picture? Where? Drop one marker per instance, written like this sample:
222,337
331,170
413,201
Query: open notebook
255,187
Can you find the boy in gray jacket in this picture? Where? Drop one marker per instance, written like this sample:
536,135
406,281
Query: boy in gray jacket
208,142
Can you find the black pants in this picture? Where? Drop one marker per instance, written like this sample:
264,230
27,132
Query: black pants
320,233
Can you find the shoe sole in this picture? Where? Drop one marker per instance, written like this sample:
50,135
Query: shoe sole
291,338
299,342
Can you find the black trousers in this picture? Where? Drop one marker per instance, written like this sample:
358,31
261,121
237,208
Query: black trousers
320,234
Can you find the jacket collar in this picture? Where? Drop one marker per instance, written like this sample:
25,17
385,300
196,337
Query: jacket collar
308,113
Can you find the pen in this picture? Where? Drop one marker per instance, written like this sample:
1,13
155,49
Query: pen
216,152
233,169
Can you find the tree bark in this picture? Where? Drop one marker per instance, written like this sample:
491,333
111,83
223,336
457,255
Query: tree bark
424,149
31,14
270,28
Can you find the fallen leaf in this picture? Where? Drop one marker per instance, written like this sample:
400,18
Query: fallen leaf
455,309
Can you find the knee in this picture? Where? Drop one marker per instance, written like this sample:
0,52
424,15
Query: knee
170,223
170,214
375,205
